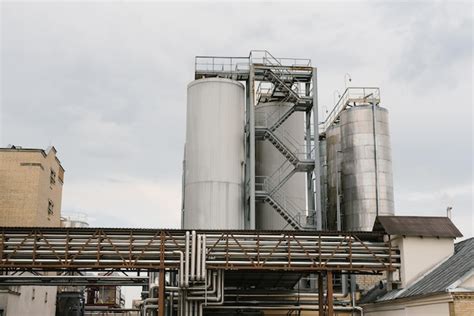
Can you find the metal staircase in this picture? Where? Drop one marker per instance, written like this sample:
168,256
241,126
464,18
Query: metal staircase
290,82
279,84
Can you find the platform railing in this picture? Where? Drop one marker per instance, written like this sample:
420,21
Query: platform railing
356,95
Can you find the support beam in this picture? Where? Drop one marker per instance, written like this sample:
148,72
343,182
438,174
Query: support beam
321,294
317,171
251,108
330,296
161,293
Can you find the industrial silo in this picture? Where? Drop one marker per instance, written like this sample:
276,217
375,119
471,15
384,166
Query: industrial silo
214,155
323,165
271,164
334,168
367,166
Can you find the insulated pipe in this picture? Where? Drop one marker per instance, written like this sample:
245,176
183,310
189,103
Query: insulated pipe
193,254
203,253
147,307
181,264
186,266
198,258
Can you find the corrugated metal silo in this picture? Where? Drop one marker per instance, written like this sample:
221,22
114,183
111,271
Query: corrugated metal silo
214,155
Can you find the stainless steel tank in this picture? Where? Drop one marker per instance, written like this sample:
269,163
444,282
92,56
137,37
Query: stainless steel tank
214,155
323,165
367,166
269,162
334,169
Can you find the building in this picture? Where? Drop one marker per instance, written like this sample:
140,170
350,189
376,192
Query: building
31,183
436,276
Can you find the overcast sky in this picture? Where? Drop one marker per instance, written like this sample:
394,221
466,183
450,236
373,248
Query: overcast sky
105,83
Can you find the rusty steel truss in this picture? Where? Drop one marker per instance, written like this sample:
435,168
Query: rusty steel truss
151,249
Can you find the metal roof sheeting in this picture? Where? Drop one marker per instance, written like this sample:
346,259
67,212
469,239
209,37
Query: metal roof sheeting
425,226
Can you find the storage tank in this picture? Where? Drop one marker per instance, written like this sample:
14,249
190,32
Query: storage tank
323,165
367,168
268,161
334,168
214,155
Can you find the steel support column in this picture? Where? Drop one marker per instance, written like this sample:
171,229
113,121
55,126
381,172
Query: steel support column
330,295
161,293
321,294
317,171
251,108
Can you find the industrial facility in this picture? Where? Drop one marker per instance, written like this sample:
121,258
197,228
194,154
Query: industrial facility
282,214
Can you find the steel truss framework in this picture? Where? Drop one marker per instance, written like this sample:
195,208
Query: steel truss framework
76,249
195,257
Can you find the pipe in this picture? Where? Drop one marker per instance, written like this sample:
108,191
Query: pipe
193,254
198,258
147,307
186,267
181,264
204,249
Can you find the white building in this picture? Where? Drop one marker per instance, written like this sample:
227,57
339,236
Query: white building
436,276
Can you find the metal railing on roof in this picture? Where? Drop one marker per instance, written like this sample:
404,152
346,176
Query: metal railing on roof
356,95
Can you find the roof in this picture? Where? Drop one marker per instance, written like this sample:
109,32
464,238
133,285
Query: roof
442,278
44,152
425,226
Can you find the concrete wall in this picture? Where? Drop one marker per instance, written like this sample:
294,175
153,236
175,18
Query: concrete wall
28,300
25,188
420,254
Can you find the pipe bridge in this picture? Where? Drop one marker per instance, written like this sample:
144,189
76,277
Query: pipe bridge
75,249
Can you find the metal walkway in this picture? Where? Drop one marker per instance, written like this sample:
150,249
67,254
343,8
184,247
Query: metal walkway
287,81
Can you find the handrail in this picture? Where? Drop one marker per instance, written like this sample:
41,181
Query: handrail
357,95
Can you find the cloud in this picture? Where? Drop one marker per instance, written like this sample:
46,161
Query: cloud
125,202
106,84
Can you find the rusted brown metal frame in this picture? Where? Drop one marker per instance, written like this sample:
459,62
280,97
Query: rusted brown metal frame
84,246
116,250
330,297
372,253
147,246
48,244
101,236
321,294
272,251
331,256
19,246
305,251
244,251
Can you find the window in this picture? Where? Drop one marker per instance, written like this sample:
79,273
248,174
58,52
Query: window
46,297
50,207
52,177
33,294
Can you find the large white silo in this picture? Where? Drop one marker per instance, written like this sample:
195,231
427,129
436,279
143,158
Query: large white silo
268,161
214,155
367,166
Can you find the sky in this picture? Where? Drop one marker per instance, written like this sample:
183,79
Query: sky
105,83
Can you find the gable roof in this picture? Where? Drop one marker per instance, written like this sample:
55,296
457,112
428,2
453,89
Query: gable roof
425,226
442,278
